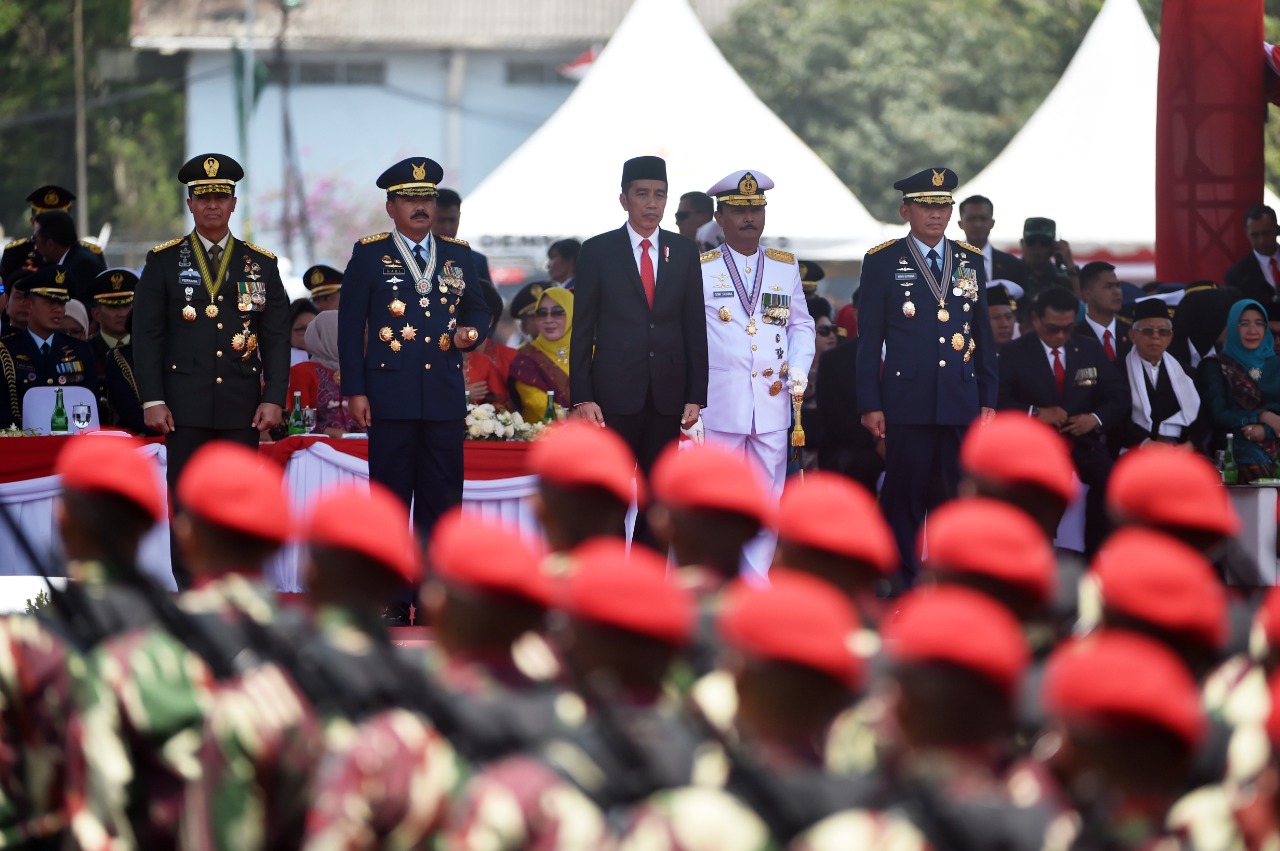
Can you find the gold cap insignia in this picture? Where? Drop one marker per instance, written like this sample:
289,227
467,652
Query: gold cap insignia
51,198
317,277
938,177
419,171
117,280
748,185
536,292
60,277
211,166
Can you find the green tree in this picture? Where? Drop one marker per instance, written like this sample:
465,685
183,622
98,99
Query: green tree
135,131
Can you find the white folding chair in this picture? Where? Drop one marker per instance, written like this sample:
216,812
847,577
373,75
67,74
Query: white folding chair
37,406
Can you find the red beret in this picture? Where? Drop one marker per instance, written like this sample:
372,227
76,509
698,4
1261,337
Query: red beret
1015,449
711,477
1162,581
994,539
371,521
576,454
1273,717
231,486
470,550
1163,485
112,465
963,627
1113,675
629,592
829,512
795,618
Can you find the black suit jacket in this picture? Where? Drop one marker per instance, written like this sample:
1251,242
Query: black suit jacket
1246,276
202,368
1026,380
1007,266
621,349
844,445
1122,342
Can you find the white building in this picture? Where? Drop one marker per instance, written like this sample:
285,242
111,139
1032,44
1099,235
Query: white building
369,83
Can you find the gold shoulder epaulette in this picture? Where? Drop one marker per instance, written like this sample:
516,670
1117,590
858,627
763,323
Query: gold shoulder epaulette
374,238
781,256
455,241
96,249
264,252
708,256
16,243
881,246
975,249
170,244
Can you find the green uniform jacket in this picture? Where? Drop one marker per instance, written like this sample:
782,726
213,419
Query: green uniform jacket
212,371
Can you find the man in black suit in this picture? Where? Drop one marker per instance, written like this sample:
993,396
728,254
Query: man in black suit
210,328
638,355
1165,405
1257,274
977,217
844,444
1065,380
57,243
21,254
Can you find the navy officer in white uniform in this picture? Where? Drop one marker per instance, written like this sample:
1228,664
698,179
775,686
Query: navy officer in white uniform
760,338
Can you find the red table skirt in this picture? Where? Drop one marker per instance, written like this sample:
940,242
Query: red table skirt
24,458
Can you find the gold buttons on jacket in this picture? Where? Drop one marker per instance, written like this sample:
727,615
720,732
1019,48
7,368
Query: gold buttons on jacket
218,380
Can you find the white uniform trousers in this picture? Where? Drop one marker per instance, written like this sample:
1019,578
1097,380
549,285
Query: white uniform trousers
768,453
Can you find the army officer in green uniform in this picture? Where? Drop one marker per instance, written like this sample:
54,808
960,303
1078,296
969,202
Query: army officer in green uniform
210,327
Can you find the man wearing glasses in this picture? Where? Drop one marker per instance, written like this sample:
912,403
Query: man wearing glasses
1049,261
1165,402
1065,380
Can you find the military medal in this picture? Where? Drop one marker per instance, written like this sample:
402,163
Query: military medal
965,306
396,307
908,309
395,345
423,302
775,388
408,331
211,283
237,342
726,315
421,276
211,310
944,315
957,341
747,300
444,342
751,327
385,334
189,313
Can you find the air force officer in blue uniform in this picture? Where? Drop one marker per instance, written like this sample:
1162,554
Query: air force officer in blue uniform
923,301
411,305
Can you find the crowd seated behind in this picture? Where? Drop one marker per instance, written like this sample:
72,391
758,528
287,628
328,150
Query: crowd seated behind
317,378
542,367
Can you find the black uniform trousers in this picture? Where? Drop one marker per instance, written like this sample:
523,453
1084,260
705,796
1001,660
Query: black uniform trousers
180,444
647,432
420,461
922,471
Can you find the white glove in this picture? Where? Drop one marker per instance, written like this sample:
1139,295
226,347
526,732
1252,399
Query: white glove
694,432
798,384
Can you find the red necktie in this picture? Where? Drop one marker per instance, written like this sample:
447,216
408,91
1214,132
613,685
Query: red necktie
1275,273
1106,345
646,271
1059,374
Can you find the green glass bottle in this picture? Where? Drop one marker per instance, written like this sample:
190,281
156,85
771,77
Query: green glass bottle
296,423
1230,469
58,422
549,415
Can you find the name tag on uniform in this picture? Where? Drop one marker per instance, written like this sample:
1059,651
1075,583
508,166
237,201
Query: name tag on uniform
904,276
1086,377
723,294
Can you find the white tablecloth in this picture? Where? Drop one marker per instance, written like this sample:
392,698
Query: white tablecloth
309,471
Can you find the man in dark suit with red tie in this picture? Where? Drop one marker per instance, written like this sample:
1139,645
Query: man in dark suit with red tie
1065,380
638,354
1257,274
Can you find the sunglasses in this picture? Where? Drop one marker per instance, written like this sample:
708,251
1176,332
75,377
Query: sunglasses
681,215
1058,329
1155,332
548,312
827,330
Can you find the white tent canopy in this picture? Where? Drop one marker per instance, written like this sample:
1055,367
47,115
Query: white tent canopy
1087,157
662,87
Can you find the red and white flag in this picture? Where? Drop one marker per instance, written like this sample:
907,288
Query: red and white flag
577,68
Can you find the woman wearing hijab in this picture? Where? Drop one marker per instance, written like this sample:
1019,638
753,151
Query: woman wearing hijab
1240,388
543,365
317,379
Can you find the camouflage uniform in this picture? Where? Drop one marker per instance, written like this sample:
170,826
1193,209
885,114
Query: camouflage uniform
135,741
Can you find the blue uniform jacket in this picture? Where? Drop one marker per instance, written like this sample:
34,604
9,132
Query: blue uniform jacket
936,371
407,365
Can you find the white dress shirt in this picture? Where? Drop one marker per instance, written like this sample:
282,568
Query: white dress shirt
653,249
1099,330
988,259
1265,262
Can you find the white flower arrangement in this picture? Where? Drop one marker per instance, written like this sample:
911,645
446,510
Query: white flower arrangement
14,431
484,422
